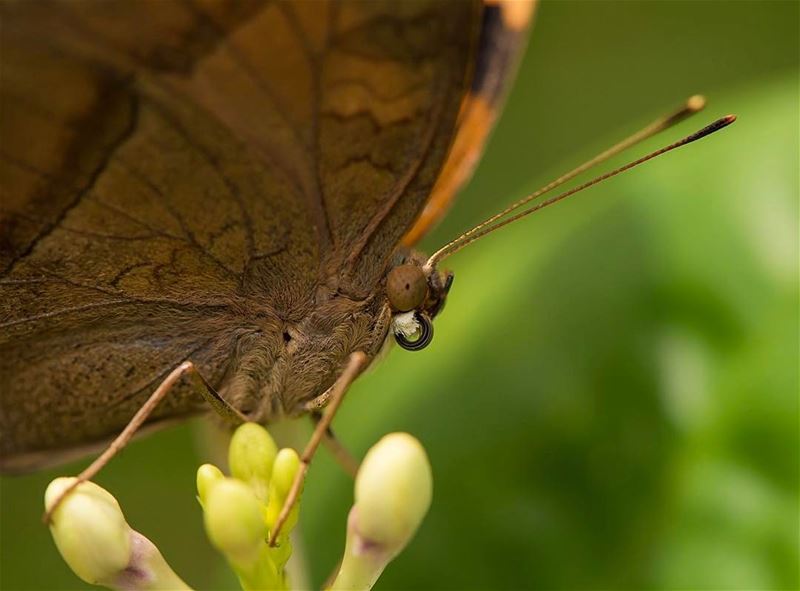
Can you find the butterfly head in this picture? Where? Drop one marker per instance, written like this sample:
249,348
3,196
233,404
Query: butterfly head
416,295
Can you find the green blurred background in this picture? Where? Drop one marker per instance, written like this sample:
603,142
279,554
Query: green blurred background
611,400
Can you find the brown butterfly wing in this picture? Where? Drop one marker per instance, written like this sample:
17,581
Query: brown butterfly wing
174,172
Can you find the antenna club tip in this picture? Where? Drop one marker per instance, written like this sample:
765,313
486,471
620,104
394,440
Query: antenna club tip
720,123
696,103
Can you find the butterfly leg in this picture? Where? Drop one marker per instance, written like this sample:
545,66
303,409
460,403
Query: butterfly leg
355,365
343,457
206,390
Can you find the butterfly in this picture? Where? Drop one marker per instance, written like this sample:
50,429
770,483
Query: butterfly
237,184
222,197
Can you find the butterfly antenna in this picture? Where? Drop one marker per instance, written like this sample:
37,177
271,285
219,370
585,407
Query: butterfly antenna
491,224
691,106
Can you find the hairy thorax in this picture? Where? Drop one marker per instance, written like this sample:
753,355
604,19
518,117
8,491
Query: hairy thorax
284,368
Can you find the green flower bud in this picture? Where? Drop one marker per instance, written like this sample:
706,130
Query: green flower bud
234,521
286,465
207,476
89,530
393,490
251,456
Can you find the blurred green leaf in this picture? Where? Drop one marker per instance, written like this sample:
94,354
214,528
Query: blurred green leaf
611,399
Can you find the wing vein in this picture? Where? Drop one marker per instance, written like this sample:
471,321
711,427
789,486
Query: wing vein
392,197
189,236
80,194
233,192
159,378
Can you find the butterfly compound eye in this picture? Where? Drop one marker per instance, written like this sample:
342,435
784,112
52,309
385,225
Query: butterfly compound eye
406,287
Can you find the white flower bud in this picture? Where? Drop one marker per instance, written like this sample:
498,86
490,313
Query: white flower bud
393,490
89,530
393,493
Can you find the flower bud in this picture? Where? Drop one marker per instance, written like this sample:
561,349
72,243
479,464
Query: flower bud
251,456
286,465
393,491
89,530
207,476
393,494
99,546
234,521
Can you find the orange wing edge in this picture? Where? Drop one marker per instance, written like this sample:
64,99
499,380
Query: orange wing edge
504,33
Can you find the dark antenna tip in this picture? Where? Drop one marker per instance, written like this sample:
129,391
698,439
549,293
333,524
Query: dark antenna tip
692,105
720,123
